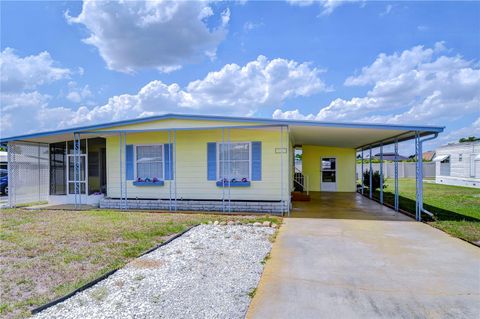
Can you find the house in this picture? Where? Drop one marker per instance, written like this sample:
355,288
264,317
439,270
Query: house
458,164
390,156
192,162
428,156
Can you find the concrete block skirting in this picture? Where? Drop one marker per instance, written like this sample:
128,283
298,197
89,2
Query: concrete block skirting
196,205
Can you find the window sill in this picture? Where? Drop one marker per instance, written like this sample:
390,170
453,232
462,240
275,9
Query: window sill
159,183
233,184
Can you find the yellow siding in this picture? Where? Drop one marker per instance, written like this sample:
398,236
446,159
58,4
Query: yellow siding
191,165
178,124
345,166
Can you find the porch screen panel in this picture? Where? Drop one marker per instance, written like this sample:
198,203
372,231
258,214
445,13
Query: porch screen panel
28,173
58,169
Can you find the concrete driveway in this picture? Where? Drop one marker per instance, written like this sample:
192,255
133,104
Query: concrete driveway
369,263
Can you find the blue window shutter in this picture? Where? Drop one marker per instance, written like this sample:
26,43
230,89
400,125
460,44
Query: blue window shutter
256,161
168,162
212,161
129,162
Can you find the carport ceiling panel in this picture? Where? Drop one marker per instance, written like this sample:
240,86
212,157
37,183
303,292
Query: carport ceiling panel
340,137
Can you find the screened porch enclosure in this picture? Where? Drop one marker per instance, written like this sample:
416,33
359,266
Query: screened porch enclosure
44,172
92,167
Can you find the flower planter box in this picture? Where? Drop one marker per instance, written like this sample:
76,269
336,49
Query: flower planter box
159,183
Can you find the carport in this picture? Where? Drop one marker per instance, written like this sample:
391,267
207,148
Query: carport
336,205
330,141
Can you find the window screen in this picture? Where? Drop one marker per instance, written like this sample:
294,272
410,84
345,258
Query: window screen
150,161
234,161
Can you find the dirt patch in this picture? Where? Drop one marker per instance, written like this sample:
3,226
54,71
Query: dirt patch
145,263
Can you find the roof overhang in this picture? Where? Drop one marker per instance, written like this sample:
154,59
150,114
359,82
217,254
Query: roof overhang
440,158
349,135
353,136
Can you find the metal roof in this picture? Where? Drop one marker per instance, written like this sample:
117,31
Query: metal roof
298,127
440,158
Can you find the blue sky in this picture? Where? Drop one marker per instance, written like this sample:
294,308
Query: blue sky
388,62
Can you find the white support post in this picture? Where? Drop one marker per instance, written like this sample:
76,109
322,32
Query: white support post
125,175
170,181
76,169
222,153
175,168
419,178
282,200
381,173
396,203
370,188
11,179
39,174
120,146
229,157
361,175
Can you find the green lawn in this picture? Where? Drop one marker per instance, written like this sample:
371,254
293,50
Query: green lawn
456,209
47,254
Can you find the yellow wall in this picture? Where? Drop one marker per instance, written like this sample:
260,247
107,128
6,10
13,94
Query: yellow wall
191,165
177,123
311,156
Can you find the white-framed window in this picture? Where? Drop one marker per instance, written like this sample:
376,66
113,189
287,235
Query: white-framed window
234,160
149,162
460,157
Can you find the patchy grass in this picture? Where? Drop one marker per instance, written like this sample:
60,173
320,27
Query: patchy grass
267,257
32,204
455,208
252,293
47,254
99,294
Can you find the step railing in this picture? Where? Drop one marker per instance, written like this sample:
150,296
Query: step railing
302,180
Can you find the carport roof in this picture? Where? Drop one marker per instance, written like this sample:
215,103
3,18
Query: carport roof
303,132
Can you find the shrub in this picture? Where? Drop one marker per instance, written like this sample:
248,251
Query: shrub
375,180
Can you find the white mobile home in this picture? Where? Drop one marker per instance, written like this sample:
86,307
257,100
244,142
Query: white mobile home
458,164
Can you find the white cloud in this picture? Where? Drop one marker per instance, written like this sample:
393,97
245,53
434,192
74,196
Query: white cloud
292,115
232,90
18,112
470,130
78,94
328,5
422,28
388,9
419,85
28,73
249,26
22,100
132,35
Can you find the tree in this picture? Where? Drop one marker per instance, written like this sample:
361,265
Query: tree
469,139
375,180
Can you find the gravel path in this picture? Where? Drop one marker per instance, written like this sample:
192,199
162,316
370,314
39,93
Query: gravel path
206,273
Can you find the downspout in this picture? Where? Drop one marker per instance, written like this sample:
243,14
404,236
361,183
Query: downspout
421,182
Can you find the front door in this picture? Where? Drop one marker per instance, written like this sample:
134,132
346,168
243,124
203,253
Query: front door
328,174
71,177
